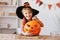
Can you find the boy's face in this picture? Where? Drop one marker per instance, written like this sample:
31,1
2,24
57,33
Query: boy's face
27,13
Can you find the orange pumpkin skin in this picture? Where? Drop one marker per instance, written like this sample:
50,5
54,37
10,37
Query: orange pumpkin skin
32,28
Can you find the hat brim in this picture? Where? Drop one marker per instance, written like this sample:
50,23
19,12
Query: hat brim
20,15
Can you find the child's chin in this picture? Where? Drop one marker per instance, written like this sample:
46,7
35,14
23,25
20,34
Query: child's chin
28,19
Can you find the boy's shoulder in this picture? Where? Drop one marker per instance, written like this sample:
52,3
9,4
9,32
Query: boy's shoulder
34,17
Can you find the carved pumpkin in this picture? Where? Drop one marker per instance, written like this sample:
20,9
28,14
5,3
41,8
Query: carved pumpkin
32,28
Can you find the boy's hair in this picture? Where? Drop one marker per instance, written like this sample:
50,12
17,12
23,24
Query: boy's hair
27,9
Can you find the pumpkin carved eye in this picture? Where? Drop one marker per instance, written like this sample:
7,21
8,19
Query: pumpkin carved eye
28,25
26,29
35,25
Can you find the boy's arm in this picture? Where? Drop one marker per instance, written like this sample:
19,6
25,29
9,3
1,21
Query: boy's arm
40,22
23,23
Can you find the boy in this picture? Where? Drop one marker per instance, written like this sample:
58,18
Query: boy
26,13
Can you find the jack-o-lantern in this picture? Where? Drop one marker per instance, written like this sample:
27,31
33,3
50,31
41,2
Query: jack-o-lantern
32,28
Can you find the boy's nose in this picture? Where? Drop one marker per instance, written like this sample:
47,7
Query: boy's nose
27,13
